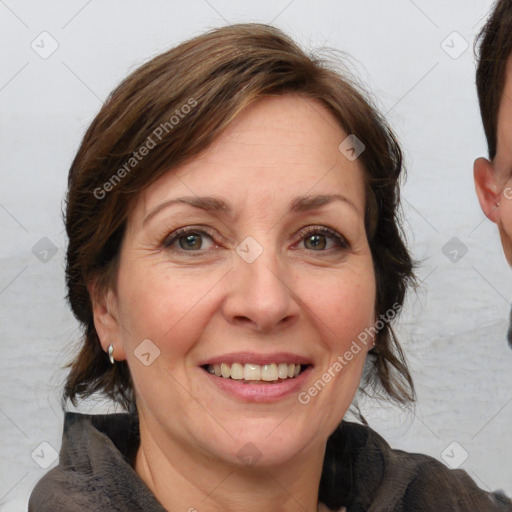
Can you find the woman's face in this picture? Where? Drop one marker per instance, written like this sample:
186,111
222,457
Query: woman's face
253,255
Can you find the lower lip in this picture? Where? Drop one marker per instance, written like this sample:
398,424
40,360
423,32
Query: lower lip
263,393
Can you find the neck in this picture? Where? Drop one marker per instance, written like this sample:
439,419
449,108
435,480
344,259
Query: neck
182,478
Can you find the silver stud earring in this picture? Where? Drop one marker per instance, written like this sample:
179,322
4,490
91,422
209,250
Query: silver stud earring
498,203
111,354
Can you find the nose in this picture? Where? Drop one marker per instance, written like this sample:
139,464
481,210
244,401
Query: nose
261,295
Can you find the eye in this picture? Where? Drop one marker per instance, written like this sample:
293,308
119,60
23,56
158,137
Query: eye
188,239
321,238
314,238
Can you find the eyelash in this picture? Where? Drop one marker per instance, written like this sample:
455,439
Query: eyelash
342,243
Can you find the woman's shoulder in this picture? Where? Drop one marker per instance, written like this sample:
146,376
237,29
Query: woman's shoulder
441,488
55,492
95,471
375,475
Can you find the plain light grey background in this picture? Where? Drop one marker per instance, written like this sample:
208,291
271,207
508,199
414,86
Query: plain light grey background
60,60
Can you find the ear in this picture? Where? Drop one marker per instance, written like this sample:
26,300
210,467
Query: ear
106,320
487,188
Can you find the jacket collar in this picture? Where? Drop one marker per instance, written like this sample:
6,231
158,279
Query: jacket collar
106,445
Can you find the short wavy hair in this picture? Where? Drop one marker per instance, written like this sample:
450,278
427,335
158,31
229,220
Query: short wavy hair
220,73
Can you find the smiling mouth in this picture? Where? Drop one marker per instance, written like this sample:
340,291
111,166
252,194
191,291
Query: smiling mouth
256,373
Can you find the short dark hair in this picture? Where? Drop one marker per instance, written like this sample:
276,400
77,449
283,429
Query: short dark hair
219,74
493,48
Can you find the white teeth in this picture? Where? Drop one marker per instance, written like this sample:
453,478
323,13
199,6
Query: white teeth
225,370
269,372
251,372
237,371
282,370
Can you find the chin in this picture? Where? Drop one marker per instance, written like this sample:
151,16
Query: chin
271,443
263,454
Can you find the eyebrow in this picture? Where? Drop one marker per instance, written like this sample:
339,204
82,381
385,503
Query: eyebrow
216,205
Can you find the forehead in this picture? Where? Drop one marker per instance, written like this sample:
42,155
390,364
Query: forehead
279,147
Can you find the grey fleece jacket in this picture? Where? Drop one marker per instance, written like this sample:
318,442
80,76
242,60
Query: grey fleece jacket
361,472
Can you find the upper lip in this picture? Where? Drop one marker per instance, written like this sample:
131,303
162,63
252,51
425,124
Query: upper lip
261,359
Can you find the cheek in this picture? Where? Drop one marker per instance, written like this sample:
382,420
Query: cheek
147,303
505,228
506,216
344,305
163,306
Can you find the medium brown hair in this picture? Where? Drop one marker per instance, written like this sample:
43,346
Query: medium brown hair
218,75
493,46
